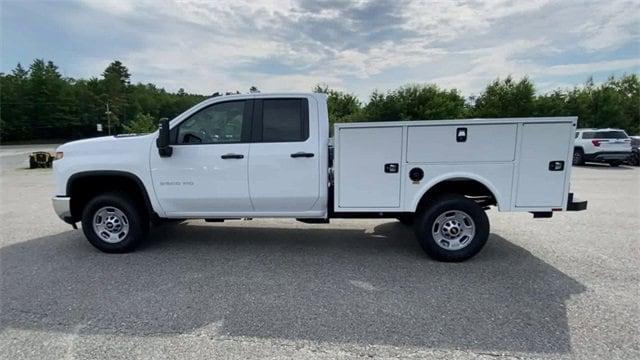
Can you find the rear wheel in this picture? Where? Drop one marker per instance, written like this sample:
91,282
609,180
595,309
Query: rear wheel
113,223
452,228
578,157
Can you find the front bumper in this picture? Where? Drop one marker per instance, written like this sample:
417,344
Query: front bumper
62,207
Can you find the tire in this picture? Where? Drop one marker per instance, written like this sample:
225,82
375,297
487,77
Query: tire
406,219
32,163
578,157
119,217
461,223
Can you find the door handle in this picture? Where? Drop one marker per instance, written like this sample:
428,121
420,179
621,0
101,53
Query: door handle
232,156
302,154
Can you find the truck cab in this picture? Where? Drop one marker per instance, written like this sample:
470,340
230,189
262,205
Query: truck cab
246,156
267,155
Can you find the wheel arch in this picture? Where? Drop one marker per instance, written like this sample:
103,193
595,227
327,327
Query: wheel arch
459,183
82,186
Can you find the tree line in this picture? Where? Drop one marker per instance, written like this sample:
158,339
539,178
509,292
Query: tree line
614,103
39,103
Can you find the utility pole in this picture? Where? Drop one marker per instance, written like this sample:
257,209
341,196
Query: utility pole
108,113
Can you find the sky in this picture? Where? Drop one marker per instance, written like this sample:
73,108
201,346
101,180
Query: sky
354,46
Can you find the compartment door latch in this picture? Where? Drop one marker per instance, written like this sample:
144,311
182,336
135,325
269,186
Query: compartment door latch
461,135
556,165
391,168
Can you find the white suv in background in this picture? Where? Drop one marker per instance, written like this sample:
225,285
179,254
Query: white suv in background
611,146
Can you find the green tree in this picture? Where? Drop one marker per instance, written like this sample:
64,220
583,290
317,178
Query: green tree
429,102
415,102
342,107
506,98
14,105
115,93
116,77
39,103
46,104
142,124
615,103
555,103
382,107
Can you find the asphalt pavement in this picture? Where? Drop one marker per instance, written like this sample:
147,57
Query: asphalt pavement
565,287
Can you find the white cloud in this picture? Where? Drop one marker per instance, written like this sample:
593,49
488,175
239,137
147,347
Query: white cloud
617,23
586,68
113,7
206,46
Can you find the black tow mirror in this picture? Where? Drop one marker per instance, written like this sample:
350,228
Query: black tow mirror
162,142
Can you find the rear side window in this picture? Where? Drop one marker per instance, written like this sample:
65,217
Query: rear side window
610,135
285,120
604,135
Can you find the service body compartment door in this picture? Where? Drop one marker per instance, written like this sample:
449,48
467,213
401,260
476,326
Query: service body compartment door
481,143
369,167
541,184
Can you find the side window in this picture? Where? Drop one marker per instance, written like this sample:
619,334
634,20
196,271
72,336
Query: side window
588,135
217,124
285,120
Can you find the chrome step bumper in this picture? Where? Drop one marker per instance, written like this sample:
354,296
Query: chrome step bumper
62,207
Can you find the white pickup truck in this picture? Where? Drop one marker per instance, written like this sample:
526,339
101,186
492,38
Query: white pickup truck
268,155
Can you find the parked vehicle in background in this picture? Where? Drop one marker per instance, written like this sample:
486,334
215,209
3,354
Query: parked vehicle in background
40,159
268,155
611,146
634,159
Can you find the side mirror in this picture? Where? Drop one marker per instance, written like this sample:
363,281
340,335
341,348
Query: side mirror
162,142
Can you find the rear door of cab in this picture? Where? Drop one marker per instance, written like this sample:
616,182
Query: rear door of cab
284,155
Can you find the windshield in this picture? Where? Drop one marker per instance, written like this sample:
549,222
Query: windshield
604,135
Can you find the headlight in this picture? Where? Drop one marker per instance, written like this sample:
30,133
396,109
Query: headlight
59,155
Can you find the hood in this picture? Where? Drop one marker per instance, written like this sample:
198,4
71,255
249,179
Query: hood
114,143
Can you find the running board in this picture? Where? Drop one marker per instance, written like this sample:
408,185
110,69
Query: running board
314,221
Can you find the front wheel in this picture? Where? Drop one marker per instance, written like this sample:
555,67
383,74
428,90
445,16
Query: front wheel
452,228
113,223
